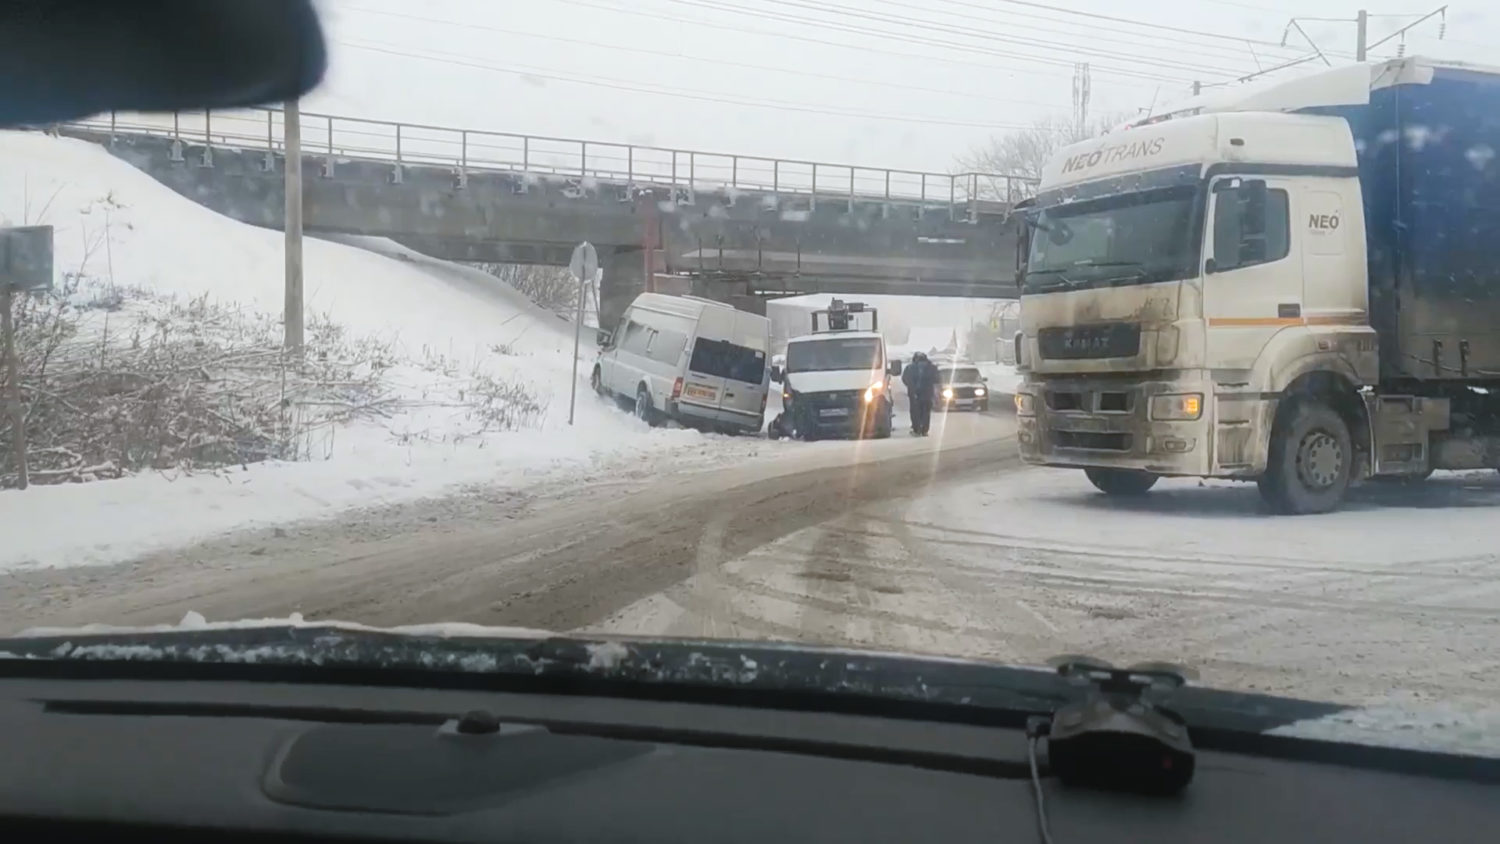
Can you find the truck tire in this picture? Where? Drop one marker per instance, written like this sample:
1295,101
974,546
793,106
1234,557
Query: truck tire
1121,482
1307,470
644,410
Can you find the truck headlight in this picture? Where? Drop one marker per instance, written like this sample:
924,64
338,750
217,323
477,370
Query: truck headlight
1025,404
1180,407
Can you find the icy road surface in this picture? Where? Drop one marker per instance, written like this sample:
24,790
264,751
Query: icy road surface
1395,598
944,545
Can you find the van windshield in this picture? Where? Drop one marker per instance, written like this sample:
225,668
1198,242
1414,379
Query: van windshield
723,359
824,355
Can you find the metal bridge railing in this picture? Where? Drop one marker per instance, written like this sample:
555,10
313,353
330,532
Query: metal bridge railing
467,150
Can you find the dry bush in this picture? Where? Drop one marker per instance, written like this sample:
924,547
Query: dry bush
115,381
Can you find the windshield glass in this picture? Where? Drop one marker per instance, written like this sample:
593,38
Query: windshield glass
636,318
833,353
1133,238
724,359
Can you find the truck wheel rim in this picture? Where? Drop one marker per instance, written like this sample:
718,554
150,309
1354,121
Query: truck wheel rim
640,405
1319,460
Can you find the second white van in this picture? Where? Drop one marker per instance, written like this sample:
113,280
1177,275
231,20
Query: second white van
699,362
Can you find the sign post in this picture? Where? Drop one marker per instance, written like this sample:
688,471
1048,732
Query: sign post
25,264
584,267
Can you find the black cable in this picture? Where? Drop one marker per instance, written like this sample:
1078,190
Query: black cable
1036,727
1036,789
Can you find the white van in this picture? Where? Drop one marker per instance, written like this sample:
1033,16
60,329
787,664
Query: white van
700,362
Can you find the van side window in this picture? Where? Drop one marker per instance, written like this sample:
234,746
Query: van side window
637,336
666,345
1248,232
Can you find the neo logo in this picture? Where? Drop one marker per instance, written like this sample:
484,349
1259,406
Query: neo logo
1323,222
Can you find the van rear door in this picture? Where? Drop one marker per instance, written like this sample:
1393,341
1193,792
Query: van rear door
746,369
703,383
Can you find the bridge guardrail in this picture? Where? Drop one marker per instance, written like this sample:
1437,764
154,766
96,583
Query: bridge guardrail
467,150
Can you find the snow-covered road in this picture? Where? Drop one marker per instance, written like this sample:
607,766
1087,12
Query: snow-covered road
1397,595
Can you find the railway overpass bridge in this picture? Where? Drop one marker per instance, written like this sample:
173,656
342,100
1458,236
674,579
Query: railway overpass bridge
736,227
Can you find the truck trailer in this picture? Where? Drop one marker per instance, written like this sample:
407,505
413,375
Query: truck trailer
1297,285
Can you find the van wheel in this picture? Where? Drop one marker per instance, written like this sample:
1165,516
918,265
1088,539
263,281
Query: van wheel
1311,454
1121,482
597,382
644,410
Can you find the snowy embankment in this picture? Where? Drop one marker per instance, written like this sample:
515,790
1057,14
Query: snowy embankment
457,342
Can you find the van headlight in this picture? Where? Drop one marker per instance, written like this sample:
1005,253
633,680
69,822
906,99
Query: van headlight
872,391
1181,407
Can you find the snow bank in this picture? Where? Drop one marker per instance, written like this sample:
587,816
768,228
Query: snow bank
454,327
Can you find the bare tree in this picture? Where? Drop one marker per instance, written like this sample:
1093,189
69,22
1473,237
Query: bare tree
1024,152
549,287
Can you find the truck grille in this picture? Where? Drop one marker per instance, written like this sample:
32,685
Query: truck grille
1080,342
1092,441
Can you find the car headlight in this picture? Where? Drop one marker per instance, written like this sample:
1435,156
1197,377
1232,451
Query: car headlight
1025,404
872,391
947,392
1180,407
978,391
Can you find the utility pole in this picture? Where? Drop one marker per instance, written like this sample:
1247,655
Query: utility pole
1197,87
1081,85
13,387
291,129
1359,39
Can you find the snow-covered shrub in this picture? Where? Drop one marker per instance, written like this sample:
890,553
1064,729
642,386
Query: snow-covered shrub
115,381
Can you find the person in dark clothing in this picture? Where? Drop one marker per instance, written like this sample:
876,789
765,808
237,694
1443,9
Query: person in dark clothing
921,380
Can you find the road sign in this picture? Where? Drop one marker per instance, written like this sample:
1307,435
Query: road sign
26,257
585,262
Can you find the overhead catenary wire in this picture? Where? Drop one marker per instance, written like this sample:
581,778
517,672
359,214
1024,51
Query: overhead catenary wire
1126,80
627,48
1072,51
859,29
681,93
1219,43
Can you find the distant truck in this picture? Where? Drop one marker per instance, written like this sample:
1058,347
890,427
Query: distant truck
836,382
696,361
1300,287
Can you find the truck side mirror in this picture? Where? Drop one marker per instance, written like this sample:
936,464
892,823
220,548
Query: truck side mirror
776,374
894,368
603,337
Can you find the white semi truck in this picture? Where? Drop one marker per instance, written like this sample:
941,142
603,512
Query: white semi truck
1299,286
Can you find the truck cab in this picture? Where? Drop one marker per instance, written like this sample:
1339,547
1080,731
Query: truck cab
1297,288
836,381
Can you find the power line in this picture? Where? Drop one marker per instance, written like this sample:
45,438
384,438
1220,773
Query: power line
714,61
1218,52
918,24
1138,80
680,93
1132,22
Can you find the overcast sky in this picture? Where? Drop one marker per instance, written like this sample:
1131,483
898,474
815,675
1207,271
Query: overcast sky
887,83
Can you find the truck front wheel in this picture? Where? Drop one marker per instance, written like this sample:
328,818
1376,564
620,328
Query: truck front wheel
1307,470
1123,482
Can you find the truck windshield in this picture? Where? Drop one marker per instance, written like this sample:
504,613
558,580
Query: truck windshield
723,359
833,353
1126,239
